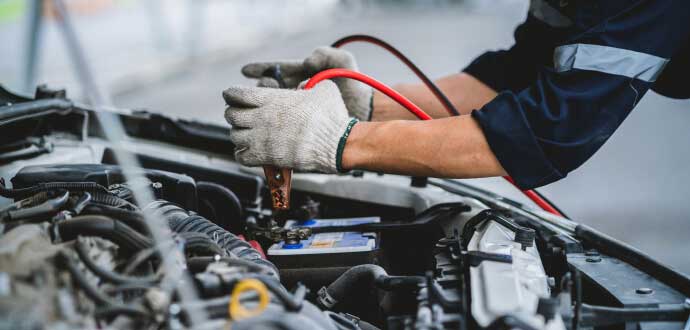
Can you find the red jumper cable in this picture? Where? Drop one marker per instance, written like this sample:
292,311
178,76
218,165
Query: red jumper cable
414,109
423,77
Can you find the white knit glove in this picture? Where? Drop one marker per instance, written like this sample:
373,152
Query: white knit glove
357,96
300,129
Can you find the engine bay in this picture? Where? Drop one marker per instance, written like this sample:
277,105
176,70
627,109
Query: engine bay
80,248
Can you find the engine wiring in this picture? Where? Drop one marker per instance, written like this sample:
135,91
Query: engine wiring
406,103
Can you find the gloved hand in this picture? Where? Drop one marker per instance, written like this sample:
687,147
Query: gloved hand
357,96
299,129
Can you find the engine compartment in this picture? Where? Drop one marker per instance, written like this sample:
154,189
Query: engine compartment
80,248
86,220
98,237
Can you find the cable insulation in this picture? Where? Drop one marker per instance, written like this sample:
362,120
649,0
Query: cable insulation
536,198
531,194
414,109
406,103
344,73
428,82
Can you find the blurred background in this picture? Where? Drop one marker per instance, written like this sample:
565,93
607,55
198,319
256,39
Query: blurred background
176,56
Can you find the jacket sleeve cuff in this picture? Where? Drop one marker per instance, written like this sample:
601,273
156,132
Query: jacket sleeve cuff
512,140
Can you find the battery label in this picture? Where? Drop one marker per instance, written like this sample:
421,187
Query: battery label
340,242
322,244
328,237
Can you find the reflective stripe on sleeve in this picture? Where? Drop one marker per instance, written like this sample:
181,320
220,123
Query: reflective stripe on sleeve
609,60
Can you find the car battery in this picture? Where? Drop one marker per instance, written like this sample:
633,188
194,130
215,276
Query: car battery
327,250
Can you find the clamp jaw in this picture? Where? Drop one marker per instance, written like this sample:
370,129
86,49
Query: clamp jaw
277,234
279,182
279,179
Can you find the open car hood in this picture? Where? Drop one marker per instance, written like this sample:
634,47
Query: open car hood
81,248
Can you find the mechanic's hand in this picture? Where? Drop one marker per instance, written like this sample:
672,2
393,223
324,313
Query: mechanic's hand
357,96
298,129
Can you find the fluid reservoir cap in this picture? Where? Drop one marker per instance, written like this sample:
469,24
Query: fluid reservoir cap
292,246
525,236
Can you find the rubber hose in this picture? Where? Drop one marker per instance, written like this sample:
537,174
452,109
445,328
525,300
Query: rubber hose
138,259
133,219
126,288
113,311
64,260
80,280
355,277
228,241
81,203
106,274
200,244
224,203
98,297
390,283
104,227
181,221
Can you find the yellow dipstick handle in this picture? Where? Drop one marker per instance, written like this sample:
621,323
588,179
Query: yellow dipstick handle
235,308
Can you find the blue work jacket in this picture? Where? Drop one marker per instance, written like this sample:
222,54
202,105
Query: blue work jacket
577,69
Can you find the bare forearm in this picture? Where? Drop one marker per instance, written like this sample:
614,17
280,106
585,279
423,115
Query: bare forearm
452,147
464,91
